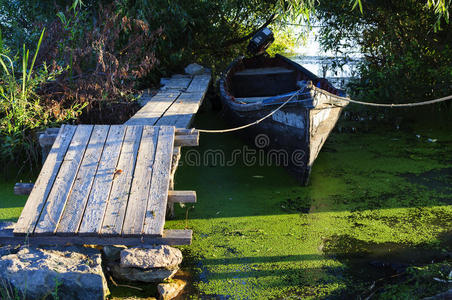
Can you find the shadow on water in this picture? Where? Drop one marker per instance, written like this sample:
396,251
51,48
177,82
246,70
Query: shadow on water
377,170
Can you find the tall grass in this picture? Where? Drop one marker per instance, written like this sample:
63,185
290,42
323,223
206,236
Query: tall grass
7,292
21,112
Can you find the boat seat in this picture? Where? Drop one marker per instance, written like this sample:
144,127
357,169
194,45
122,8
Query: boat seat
261,82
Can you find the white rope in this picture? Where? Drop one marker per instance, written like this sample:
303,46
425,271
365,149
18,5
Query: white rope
327,94
250,124
383,104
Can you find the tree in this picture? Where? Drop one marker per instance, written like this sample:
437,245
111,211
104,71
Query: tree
407,54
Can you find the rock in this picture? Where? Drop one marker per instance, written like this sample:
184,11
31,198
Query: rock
171,289
113,253
161,256
194,69
72,272
142,275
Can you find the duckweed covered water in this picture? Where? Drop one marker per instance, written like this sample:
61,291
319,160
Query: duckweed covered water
375,220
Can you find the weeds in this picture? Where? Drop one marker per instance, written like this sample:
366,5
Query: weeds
21,111
106,58
8,292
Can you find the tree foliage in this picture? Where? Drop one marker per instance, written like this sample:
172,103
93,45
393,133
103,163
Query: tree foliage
405,58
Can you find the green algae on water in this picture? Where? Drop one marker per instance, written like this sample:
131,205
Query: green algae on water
258,235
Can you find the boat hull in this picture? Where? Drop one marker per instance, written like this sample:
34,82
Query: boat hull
293,135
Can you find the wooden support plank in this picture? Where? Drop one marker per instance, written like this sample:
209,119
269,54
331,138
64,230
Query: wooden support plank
187,140
76,202
154,109
100,191
62,186
169,237
185,131
122,181
182,196
134,219
25,188
36,201
50,139
156,207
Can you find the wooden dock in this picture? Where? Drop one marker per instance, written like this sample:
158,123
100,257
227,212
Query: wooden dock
175,104
103,184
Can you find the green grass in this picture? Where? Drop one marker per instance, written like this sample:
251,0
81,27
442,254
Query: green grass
10,205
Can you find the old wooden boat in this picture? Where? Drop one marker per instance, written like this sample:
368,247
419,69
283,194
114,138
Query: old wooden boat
252,88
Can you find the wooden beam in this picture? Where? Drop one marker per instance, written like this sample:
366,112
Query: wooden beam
186,131
169,237
180,139
182,196
173,196
186,140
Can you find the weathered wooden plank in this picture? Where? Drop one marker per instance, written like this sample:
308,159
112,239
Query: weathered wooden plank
50,139
139,192
76,202
156,208
122,181
182,196
36,201
154,109
180,82
187,140
185,131
182,111
169,237
100,191
62,186
200,83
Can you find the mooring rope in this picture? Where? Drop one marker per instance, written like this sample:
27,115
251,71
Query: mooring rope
253,123
383,104
318,90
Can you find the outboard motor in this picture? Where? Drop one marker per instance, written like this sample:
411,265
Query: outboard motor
260,41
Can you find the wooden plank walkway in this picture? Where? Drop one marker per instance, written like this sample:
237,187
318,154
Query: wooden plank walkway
175,104
105,185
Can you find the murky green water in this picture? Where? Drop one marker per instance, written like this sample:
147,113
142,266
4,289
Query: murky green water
375,216
375,220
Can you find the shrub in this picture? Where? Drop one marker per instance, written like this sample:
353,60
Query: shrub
21,111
